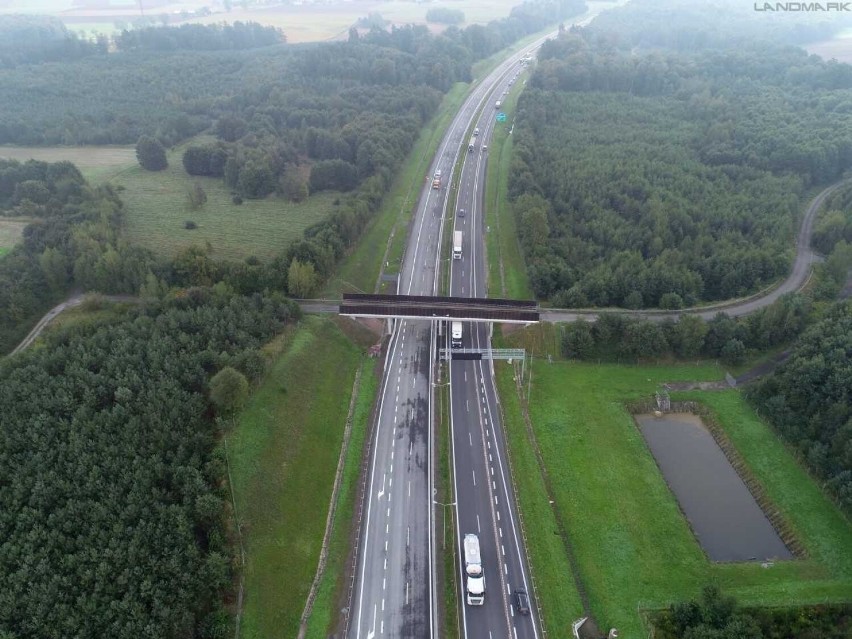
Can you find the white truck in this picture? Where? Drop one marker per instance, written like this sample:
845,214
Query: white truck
456,335
472,145
475,586
457,245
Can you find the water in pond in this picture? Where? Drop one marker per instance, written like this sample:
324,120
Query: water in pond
724,515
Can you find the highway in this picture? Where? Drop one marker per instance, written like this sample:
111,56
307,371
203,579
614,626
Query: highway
483,496
394,593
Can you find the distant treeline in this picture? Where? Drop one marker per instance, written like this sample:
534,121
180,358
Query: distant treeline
444,15
35,39
685,26
199,37
662,180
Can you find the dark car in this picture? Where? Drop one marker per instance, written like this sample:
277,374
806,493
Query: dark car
522,602
461,212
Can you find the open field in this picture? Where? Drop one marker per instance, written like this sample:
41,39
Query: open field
475,11
96,163
157,207
11,232
157,204
300,23
283,455
634,548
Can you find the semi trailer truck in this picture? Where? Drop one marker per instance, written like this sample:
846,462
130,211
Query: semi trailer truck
475,579
457,245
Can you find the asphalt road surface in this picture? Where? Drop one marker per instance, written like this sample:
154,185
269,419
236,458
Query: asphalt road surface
394,593
484,500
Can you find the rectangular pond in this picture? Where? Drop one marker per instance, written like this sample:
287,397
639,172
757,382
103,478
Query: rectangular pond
723,514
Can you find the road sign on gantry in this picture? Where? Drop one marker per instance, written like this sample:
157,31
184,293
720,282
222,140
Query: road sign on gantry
501,117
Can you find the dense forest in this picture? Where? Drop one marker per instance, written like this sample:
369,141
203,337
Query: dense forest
112,511
664,180
809,400
163,81
834,223
716,616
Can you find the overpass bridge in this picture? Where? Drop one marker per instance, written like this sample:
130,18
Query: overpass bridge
425,307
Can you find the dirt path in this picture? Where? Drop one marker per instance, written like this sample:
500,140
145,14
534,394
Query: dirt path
51,315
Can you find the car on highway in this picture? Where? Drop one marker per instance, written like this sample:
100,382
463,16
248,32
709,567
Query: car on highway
522,602
461,212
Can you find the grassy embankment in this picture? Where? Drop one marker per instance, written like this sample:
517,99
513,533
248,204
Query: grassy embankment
445,521
283,454
633,546
322,621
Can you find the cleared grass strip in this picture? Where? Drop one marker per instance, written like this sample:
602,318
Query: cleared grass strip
283,455
325,615
445,522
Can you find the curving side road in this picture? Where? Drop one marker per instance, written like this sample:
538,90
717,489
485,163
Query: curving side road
799,276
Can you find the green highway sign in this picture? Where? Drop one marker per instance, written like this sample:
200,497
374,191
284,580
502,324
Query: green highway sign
501,117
